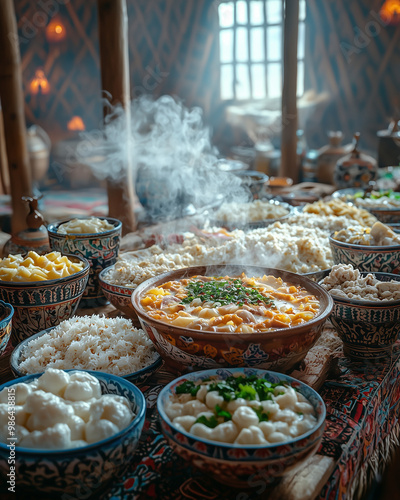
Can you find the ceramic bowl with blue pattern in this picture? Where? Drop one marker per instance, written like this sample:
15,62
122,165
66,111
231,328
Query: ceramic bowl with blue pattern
281,349
78,472
6,314
368,329
243,466
100,249
368,258
118,295
42,304
139,377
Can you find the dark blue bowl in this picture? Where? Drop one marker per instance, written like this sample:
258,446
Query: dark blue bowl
243,465
90,469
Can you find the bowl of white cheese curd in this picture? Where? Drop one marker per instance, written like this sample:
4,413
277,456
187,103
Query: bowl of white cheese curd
65,432
241,425
95,238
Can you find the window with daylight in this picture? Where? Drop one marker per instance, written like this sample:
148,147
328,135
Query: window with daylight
251,49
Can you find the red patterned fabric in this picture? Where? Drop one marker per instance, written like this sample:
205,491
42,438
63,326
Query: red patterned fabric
363,408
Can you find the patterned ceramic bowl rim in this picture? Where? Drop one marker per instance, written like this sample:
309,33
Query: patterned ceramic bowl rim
381,304
16,354
371,248
53,227
351,191
258,223
8,306
102,279
205,374
47,283
139,399
192,271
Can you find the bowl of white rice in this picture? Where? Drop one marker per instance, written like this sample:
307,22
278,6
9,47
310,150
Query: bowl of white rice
109,345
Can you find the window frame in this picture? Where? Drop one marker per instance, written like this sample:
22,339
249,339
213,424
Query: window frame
266,62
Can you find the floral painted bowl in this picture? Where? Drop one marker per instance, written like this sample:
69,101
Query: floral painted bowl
6,314
118,295
185,349
243,466
368,329
138,377
83,471
100,249
385,259
41,304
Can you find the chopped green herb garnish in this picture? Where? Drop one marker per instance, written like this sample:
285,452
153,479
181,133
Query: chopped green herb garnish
223,413
187,387
209,422
224,390
244,387
262,416
247,392
224,292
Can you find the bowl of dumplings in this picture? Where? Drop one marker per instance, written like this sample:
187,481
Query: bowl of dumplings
242,425
75,431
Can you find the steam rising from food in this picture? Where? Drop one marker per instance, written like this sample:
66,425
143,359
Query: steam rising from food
172,156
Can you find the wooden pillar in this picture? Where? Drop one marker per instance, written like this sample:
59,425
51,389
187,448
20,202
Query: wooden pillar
12,100
289,166
114,60
4,174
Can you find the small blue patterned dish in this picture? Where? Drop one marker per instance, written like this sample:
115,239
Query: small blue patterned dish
100,249
139,377
237,465
384,259
89,469
368,329
42,304
6,314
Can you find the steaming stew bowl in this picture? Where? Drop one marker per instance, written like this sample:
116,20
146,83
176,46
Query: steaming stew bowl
188,349
242,466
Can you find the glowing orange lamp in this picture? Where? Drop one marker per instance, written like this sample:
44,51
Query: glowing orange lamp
39,84
55,31
76,123
390,12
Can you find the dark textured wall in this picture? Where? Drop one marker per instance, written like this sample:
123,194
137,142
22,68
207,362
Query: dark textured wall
354,56
174,49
